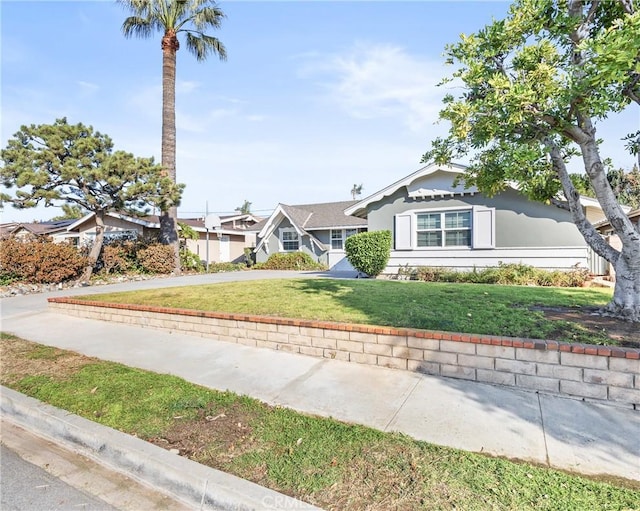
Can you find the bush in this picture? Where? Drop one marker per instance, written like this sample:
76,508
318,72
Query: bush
224,267
368,252
290,261
505,274
156,258
114,258
39,261
249,257
190,261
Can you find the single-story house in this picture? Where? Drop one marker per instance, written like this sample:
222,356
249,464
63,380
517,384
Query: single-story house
604,227
435,222
50,228
226,243
316,229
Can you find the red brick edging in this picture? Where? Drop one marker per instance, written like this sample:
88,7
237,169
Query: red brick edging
512,342
584,371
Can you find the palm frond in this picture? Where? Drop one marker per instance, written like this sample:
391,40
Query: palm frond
202,45
138,27
193,17
207,18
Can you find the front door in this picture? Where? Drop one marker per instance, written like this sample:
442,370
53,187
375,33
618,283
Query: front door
225,249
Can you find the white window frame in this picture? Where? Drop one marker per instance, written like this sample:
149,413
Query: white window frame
482,229
443,229
341,238
287,230
344,234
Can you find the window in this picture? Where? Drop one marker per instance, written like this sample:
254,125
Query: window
444,229
290,240
337,239
339,235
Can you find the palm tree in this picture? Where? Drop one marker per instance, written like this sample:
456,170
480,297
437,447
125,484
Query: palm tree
170,17
356,190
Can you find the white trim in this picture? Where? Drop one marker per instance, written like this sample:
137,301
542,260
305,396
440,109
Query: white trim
271,225
540,257
281,231
360,208
344,230
405,181
443,226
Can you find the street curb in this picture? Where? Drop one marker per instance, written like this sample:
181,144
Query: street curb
196,485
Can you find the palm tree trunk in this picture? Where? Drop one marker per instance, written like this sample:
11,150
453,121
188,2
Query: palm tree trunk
169,218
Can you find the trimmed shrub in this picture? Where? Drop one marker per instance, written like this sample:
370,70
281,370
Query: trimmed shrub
39,261
290,261
368,252
506,274
225,267
156,258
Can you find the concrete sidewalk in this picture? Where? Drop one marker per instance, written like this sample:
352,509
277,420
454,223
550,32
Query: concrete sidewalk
564,433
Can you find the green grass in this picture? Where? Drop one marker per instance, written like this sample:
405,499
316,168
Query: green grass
335,465
471,308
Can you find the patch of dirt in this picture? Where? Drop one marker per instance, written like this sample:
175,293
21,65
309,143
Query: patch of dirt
22,358
625,333
215,437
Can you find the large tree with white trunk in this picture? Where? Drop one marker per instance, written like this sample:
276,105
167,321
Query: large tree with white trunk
534,88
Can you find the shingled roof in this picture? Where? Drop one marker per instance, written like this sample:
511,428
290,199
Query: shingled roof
324,215
311,217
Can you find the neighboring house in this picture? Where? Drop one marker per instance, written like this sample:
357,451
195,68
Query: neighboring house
226,243
53,228
437,223
604,227
319,230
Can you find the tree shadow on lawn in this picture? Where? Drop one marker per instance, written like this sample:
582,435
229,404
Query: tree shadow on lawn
521,312
578,435
594,431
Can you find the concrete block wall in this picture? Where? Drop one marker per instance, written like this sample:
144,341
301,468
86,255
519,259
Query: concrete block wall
600,373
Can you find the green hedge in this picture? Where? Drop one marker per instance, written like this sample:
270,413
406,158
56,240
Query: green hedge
506,274
368,252
290,261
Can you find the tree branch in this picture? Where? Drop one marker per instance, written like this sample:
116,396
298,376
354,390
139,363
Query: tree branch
595,240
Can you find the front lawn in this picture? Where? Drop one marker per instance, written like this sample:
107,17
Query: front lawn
470,308
329,463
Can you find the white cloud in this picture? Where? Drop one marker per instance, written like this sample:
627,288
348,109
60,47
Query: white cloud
147,100
201,122
87,88
186,87
380,81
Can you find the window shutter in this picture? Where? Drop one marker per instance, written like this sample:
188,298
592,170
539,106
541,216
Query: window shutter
404,231
484,227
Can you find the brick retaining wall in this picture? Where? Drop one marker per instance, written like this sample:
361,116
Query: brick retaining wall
601,373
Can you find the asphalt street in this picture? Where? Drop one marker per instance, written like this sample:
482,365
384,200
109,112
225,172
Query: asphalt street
27,486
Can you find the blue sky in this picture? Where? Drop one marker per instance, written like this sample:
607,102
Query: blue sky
315,95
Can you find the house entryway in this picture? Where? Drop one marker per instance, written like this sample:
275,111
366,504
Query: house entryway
225,249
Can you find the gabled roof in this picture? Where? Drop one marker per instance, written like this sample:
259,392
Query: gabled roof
43,228
147,221
309,217
247,217
634,216
360,208
412,184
